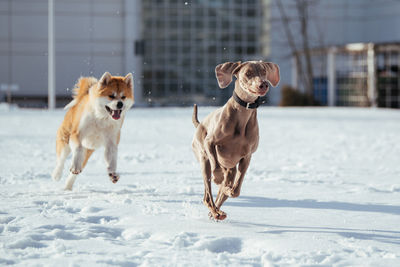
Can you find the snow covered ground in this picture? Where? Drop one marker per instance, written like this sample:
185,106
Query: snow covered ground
323,189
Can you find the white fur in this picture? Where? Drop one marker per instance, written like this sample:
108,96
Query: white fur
105,78
129,79
70,181
70,104
110,155
56,175
97,129
78,155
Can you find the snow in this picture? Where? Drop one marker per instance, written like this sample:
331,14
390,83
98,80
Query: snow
323,189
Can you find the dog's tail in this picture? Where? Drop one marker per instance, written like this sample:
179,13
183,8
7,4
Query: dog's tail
81,89
83,85
194,116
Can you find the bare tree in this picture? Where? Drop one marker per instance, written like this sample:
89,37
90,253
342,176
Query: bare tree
301,53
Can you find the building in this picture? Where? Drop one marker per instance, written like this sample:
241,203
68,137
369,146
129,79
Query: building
171,46
355,42
91,37
357,75
185,40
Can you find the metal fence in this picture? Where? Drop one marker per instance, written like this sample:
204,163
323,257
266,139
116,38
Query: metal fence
358,75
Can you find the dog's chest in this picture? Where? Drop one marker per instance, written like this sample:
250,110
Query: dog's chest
96,133
242,142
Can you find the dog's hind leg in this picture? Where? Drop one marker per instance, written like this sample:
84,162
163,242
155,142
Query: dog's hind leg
237,185
63,150
72,176
70,181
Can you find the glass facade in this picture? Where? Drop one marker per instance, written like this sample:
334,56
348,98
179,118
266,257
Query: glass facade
185,40
388,76
354,84
352,79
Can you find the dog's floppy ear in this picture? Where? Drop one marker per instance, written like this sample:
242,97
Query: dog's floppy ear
273,75
129,80
106,78
224,72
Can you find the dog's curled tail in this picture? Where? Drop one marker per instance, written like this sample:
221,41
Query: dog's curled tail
83,85
194,116
81,89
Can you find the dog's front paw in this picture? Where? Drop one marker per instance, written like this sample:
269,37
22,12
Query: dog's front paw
75,170
218,215
114,177
56,175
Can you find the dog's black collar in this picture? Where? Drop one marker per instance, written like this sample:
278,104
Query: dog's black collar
259,101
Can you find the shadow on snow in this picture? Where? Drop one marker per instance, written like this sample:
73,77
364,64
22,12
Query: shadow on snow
263,202
385,236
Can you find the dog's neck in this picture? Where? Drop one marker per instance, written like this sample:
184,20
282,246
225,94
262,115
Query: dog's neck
244,96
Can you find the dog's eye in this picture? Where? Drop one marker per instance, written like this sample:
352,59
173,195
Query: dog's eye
111,96
123,97
248,74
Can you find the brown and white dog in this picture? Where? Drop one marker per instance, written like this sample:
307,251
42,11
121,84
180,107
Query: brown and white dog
94,118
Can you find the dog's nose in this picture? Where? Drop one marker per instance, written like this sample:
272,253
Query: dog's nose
263,85
120,104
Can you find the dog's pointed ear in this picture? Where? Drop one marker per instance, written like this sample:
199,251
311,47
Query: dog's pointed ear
106,78
224,72
128,79
273,74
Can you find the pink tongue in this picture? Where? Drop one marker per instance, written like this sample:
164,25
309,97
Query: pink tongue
116,114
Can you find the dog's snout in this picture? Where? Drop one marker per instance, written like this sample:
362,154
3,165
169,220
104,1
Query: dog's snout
120,104
263,85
